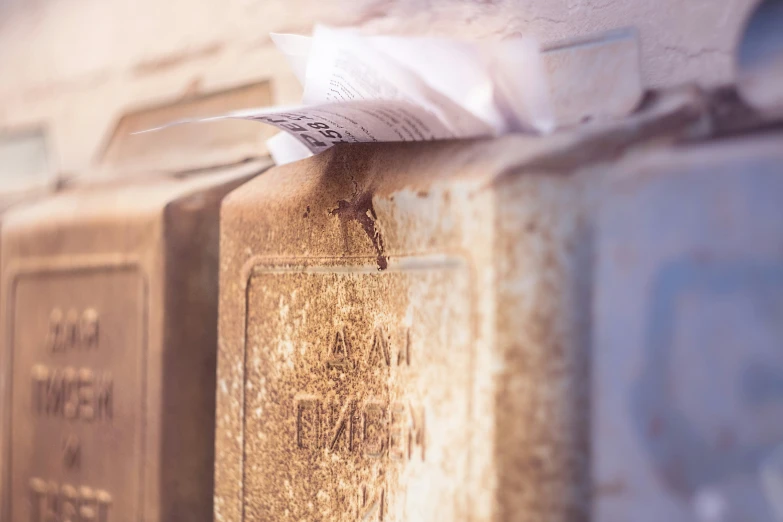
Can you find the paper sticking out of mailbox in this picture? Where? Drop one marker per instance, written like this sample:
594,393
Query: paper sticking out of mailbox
360,88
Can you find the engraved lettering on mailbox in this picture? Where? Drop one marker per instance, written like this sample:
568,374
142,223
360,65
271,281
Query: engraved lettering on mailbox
404,354
416,431
339,352
52,502
372,504
342,426
346,400
72,394
396,431
379,351
71,330
373,429
308,410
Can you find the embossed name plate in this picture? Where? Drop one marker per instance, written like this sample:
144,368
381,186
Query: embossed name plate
77,395
358,392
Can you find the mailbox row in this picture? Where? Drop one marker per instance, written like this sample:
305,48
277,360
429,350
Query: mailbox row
587,326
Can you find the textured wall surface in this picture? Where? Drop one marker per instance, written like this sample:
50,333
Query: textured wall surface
78,64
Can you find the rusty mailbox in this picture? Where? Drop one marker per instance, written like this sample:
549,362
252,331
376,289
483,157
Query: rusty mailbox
688,335
401,330
109,310
27,172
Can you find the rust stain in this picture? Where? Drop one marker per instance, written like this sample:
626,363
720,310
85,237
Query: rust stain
159,64
352,163
360,209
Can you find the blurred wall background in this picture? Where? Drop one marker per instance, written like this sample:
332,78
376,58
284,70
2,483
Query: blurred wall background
77,65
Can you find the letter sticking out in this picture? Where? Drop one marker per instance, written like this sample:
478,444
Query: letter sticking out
397,431
339,352
72,394
404,355
88,328
52,502
308,420
86,395
42,510
379,351
341,427
374,434
416,435
372,504
71,330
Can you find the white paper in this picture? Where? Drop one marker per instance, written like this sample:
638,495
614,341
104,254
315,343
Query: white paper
381,88
320,127
296,49
284,148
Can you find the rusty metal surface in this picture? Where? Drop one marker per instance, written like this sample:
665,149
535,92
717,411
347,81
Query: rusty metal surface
109,308
402,329
688,367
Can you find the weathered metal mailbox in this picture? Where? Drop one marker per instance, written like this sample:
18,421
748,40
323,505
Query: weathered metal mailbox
109,312
402,330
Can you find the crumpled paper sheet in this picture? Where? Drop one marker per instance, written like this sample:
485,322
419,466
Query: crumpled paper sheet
361,88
